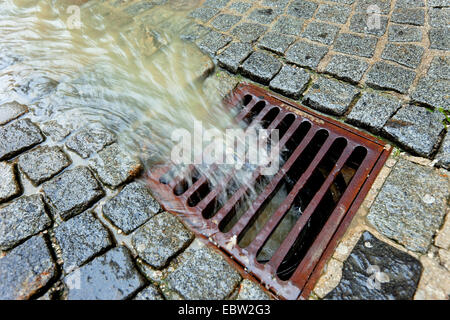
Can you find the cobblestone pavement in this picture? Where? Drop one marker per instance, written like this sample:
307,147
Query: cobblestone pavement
76,223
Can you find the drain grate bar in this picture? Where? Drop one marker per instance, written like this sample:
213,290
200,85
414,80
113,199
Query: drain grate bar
288,229
335,219
221,214
298,227
286,205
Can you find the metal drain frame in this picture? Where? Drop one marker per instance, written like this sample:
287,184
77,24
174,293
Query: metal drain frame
308,271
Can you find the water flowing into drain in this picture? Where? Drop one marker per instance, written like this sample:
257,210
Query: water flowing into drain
130,72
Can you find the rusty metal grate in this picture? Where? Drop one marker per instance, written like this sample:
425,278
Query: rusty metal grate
328,171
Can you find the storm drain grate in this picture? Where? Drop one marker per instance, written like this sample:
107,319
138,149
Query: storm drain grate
285,235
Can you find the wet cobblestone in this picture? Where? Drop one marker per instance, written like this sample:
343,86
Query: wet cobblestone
131,208
324,37
42,163
80,239
26,270
160,239
203,274
18,136
416,128
372,111
72,192
22,219
330,96
115,166
10,187
111,276
410,208
90,139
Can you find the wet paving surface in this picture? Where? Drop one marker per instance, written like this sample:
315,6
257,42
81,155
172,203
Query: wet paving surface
65,168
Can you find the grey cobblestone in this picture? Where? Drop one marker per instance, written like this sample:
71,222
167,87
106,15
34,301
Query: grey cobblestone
290,81
416,129
26,269
347,68
289,25
73,191
443,156
440,38
438,3
115,166
10,111
414,16
203,274
330,96
302,9
43,163
261,67
160,239
440,68
216,3
275,42
22,219
305,54
232,57
409,3
358,23
363,46
409,55
410,207
248,32
373,110
343,1
263,16
18,136
90,139
276,3
439,17
383,5
404,33
321,32
224,22
111,276
240,7
432,91
388,76
333,13
131,208
10,187
80,239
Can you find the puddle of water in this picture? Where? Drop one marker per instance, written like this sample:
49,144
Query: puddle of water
131,72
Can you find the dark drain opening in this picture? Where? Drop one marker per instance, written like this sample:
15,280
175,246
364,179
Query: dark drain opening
287,228
255,110
321,213
188,179
275,199
301,200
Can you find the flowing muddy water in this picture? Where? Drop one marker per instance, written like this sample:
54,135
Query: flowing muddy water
126,69
129,70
